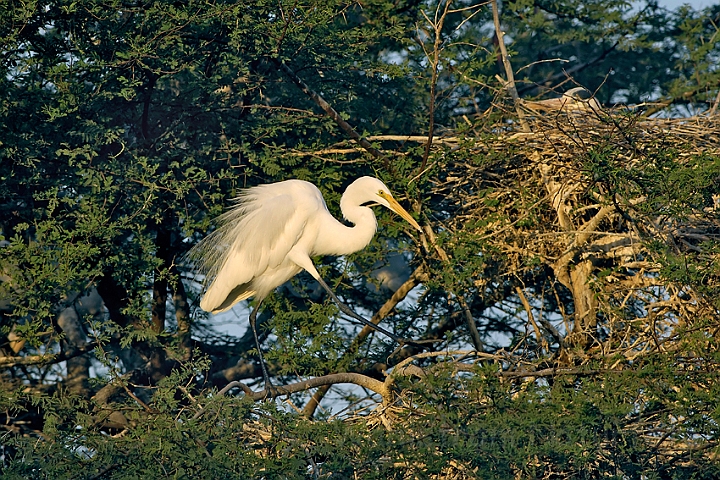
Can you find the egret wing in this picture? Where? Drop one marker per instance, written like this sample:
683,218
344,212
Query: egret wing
253,239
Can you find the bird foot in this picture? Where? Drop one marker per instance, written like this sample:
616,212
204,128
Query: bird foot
270,391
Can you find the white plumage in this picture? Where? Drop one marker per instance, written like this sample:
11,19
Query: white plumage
272,233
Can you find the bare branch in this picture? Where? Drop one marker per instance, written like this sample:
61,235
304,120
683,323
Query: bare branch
472,326
418,275
437,26
508,68
332,113
327,380
47,358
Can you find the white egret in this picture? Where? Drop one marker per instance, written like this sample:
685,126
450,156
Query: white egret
271,235
576,99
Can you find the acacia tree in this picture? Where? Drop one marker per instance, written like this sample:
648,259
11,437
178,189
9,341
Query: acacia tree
571,257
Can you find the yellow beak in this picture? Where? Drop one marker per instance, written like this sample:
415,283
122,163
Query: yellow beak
397,208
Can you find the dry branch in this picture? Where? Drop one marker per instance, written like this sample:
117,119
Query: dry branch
594,240
332,113
47,358
418,275
360,380
510,84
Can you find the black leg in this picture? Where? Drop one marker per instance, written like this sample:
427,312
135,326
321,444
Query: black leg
347,311
253,321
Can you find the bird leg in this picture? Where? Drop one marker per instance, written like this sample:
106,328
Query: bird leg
253,321
347,311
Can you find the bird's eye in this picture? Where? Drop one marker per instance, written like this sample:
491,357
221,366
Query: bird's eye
381,192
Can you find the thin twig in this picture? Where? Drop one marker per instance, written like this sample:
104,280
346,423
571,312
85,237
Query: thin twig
437,26
472,326
418,276
332,113
510,85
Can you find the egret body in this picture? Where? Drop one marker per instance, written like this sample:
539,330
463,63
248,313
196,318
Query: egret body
271,235
576,99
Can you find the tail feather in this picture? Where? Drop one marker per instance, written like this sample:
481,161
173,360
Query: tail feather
218,299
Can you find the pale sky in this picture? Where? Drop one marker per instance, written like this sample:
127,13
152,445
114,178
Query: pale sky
696,4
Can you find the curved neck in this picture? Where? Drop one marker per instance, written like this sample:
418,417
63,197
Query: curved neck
338,239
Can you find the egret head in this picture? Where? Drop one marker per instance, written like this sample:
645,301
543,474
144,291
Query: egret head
371,190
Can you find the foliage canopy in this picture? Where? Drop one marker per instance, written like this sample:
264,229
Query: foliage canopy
567,282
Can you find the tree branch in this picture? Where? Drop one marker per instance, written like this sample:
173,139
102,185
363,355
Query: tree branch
437,26
510,85
333,379
472,326
47,358
182,312
332,113
418,276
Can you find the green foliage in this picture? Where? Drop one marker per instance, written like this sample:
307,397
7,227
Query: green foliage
581,426
126,128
